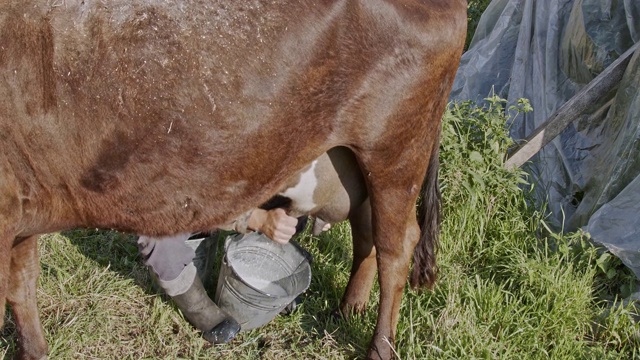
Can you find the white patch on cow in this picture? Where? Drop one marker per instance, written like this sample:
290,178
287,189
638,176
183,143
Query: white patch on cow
302,193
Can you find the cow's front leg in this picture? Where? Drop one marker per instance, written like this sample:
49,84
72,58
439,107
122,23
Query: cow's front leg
25,269
5,264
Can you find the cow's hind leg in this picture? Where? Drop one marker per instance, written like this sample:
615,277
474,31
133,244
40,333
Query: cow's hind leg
364,267
22,298
394,249
393,192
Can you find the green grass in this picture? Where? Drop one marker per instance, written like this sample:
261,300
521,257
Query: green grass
508,288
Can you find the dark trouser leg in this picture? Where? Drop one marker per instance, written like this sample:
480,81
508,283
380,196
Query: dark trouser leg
171,260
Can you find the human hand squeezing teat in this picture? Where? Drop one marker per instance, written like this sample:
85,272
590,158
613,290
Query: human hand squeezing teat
275,223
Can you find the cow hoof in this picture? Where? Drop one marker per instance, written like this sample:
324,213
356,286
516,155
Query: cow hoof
223,332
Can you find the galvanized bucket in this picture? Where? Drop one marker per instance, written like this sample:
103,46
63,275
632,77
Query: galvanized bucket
259,277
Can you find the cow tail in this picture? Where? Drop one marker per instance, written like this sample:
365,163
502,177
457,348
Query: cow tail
424,256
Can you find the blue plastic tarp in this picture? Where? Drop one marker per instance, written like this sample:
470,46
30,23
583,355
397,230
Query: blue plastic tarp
546,51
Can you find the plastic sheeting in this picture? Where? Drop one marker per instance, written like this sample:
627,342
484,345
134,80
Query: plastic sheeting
546,51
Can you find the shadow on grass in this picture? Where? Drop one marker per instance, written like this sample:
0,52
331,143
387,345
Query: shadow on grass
115,250
314,320
330,271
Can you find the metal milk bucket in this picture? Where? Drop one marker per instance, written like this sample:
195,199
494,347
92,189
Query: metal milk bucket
259,277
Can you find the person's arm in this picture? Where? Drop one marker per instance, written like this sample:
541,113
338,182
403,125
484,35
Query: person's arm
275,223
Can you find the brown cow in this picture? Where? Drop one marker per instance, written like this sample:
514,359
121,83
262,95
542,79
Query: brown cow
164,117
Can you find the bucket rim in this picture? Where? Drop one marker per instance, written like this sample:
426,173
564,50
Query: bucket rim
306,263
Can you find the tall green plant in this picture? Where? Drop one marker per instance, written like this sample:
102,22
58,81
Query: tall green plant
507,289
